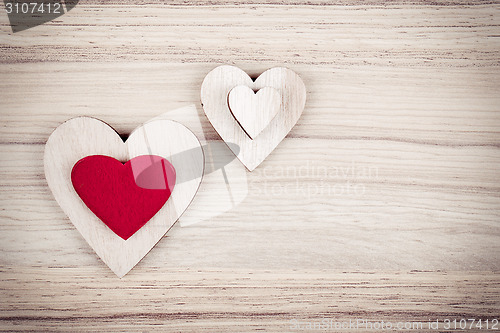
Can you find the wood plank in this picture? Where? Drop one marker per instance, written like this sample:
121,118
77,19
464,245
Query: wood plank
190,300
375,207
452,107
402,102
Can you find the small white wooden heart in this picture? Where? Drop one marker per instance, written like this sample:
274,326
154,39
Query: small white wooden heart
83,136
215,95
254,111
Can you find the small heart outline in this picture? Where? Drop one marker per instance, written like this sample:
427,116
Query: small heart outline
254,111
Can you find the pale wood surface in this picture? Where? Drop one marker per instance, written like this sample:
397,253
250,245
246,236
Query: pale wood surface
403,99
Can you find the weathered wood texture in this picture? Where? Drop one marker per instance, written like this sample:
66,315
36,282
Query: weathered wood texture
237,300
393,166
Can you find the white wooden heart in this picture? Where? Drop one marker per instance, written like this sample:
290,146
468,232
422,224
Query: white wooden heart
84,136
215,93
254,111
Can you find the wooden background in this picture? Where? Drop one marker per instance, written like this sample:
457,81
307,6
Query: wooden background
408,89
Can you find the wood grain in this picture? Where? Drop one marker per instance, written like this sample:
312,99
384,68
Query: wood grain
193,301
403,102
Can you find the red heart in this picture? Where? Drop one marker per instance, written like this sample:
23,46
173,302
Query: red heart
124,196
